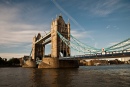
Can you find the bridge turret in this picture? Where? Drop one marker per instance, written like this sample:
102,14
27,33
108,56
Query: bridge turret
34,39
52,23
58,46
68,27
33,47
54,38
56,21
38,36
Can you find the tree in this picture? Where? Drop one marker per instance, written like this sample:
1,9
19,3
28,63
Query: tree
2,61
14,61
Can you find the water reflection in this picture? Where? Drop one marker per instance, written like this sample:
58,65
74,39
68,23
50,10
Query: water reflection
52,77
88,76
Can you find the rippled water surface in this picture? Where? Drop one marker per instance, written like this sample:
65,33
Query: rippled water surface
84,76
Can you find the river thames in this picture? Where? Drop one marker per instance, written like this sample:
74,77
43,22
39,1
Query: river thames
84,76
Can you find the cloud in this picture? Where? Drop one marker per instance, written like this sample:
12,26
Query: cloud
112,27
10,55
108,26
8,14
13,31
95,44
113,43
17,32
82,34
101,7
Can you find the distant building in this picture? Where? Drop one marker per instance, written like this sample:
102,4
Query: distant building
125,59
93,62
23,59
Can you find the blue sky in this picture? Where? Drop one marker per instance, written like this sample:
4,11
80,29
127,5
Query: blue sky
98,23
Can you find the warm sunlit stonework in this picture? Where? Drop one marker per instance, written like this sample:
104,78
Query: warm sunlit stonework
57,46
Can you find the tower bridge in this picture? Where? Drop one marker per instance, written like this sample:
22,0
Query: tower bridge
62,42
57,45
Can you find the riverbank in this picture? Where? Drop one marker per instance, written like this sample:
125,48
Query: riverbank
96,62
8,66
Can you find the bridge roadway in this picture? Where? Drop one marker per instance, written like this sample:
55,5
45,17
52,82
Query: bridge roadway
97,56
46,38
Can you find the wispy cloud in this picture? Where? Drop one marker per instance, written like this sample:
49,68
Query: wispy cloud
14,30
11,55
16,33
101,7
112,27
95,44
108,26
82,34
113,43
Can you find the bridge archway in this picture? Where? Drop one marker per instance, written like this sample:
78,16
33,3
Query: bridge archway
63,52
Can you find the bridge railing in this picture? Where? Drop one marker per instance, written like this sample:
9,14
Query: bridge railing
100,55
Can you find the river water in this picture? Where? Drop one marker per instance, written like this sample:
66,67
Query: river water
84,76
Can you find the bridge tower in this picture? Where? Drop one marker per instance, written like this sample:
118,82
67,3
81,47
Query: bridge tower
37,49
58,47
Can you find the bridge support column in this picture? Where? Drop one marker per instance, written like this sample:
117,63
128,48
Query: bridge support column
54,63
33,47
43,50
54,40
49,63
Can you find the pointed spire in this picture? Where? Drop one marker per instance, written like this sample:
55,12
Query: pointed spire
52,21
68,20
56,15
60,14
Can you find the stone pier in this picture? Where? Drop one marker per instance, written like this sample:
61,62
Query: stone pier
29,64
55,63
